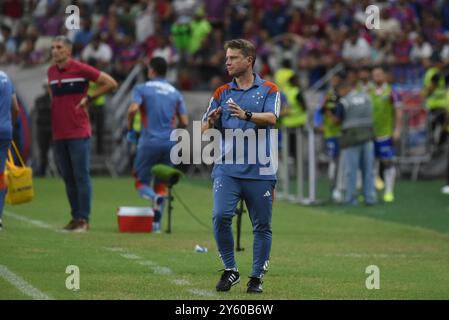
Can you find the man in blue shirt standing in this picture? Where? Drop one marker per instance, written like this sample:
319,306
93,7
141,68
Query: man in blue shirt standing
245,109
9,108
162,110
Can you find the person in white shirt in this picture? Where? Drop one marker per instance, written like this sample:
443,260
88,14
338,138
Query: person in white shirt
421,49
356,48
98,50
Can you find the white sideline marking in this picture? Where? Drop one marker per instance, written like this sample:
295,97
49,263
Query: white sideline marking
375,255
130,256
36,223
181,282
115,249
22,285
161,270
201,292
147,263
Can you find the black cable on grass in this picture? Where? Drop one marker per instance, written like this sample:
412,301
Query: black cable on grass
190,212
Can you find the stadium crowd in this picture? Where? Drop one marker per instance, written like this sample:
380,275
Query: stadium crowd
313,35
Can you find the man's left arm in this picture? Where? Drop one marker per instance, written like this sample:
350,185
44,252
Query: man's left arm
105,84
267,118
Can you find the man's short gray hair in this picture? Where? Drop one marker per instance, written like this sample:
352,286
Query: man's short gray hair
64,40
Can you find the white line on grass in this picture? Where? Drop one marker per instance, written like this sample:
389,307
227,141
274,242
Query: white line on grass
161,270
147,263
201,292
130,256
34,222
375,255
181,282
22,285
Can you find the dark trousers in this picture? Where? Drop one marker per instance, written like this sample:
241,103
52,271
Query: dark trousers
73,160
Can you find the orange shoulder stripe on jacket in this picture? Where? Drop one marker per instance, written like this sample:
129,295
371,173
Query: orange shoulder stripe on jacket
273,87
220,90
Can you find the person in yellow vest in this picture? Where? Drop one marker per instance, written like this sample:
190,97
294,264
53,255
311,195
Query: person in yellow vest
435,93
297,110
295,115
387,117
96,114
283,75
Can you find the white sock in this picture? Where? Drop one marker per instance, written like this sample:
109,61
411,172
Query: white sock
332,170
389,176
359,179
340,174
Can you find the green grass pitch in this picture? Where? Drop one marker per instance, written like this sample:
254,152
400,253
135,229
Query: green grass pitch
318,252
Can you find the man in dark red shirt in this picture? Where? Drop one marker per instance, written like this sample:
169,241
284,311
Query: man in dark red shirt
69,80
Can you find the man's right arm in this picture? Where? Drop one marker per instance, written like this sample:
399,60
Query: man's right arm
212,115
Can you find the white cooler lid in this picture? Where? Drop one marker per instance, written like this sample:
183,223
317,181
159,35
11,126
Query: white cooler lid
135,211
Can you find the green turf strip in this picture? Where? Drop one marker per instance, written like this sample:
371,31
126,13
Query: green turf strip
318,252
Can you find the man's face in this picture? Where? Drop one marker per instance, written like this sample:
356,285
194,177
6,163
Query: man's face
378,76
60,52
364,75
236,63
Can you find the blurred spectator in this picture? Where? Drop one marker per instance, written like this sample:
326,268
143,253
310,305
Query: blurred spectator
445,17
421,49
340,17
128,55
381,52
185,8
283,74
390,26
96,111
237,15
275,19
144,20
99,52
356,49
208,60
200,29
83,36
164,10
286,47
168,52
444,54
53,22
12,11
42,109
126,19
401,48
9,43
402,11
182,32
296,24
215,10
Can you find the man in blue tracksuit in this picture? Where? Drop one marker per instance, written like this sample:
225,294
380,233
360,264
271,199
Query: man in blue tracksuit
9,108
162,110
246,107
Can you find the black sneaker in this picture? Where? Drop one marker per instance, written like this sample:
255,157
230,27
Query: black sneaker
254,285
228,279
1,225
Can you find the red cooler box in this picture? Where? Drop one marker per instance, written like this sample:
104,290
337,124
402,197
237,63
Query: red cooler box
135,219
